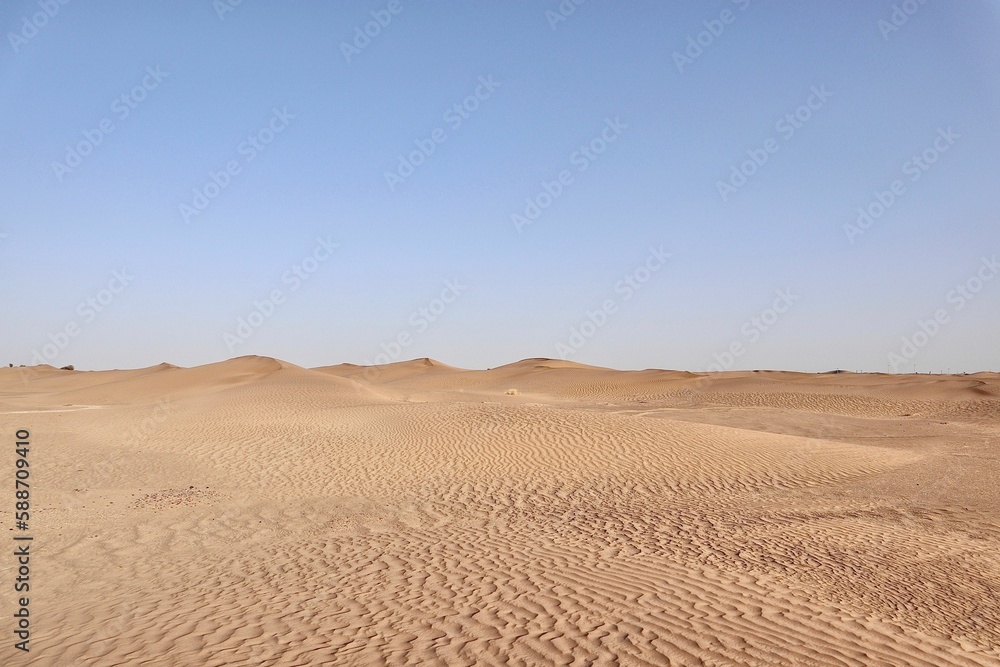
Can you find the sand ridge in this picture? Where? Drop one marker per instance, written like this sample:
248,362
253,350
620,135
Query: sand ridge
543,512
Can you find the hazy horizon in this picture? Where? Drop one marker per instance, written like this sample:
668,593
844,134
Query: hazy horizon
407,360
705,186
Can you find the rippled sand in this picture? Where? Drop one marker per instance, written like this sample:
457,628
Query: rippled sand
253,512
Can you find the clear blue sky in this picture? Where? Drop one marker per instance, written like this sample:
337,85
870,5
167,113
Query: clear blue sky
607,76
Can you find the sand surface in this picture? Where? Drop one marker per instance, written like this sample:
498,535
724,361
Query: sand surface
253,512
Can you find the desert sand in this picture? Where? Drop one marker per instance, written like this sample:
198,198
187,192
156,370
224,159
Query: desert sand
253,512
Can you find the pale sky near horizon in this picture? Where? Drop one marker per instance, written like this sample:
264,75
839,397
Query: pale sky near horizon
633,184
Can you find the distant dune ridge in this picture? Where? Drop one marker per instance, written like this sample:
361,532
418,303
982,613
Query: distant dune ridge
254,512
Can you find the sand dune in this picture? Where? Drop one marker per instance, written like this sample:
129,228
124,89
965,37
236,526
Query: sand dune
254,512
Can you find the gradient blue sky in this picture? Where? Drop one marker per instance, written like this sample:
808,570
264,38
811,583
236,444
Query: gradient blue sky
656,185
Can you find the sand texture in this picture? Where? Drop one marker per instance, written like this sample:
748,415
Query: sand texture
253,512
